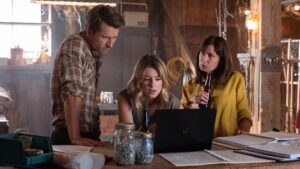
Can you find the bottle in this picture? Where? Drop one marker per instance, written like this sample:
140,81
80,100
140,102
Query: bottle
207,89
146,118
124,144
144,147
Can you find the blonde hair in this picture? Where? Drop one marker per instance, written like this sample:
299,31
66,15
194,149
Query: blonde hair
134,89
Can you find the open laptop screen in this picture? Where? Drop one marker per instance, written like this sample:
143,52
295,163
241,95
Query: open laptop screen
181,130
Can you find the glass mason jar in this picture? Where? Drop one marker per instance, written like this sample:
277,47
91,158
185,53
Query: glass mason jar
144,147
124,144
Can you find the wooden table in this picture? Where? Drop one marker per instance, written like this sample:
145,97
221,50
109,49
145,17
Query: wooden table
160,163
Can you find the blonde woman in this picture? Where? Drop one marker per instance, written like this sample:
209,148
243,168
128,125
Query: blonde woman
147,88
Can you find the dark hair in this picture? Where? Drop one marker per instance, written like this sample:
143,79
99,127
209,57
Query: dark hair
224,69
107,14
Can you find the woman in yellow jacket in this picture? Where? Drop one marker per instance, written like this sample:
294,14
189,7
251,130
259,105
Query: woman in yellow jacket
227,91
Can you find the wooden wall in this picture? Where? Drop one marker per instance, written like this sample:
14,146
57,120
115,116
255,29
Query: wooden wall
290,27
119,63
29,87
195,20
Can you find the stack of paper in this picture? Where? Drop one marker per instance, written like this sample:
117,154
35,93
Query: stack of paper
280,151
209,157
248,139
241,141
279,136
271,145
283,150
280,146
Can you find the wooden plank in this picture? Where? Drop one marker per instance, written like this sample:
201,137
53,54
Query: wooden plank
178,38
268,33
270,114
196,12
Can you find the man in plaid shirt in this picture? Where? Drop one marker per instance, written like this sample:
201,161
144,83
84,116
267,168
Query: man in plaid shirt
75,77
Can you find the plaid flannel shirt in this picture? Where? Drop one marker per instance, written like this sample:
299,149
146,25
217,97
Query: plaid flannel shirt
75,73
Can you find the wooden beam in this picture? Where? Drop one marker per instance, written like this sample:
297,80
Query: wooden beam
268,33
178,37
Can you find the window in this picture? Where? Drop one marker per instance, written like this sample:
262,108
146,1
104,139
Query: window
26,25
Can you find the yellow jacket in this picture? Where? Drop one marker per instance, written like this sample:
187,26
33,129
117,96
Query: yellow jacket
230,101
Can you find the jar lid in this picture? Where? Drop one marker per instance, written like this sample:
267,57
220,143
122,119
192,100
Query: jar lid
143,134
127,126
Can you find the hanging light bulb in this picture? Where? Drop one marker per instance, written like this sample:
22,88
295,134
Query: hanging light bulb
251,22
297,7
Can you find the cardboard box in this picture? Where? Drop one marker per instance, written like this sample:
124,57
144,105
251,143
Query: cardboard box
15,143
136,19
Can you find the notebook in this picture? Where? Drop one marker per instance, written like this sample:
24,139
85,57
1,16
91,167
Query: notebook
182,130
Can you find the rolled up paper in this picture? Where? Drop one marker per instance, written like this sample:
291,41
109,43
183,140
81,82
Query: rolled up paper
78,160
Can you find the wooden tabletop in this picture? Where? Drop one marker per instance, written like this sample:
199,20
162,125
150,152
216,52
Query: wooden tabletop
160,163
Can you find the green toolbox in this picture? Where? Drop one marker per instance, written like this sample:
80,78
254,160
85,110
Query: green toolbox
25,150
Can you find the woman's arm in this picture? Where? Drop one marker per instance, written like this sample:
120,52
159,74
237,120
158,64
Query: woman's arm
125,111
244,115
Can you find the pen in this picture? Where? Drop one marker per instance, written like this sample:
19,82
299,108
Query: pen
216,155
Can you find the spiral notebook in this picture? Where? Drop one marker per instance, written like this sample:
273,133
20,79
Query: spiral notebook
182,130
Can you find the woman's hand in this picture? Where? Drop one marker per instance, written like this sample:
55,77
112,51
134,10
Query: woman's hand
244,126
202,97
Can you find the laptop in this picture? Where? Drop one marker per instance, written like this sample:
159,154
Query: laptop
182,130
